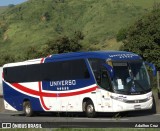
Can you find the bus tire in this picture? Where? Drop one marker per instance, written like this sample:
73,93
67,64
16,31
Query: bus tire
27,108
90,109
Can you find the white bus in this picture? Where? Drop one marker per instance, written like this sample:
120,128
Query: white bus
90,82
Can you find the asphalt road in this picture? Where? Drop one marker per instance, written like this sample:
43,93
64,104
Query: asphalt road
79,120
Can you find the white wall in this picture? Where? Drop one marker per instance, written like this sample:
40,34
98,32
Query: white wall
1,92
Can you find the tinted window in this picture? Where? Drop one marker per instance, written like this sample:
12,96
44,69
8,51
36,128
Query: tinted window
96,66
66,70
100,73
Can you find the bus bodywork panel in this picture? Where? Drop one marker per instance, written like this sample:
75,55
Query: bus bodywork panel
68,94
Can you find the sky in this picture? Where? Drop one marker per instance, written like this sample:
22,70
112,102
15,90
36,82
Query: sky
7,2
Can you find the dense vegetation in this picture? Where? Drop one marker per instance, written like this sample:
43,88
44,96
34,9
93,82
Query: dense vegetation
40,27
2,9
143,37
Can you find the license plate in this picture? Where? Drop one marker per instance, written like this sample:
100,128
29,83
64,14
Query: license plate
137,107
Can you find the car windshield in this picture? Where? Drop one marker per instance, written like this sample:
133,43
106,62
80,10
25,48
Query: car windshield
130,78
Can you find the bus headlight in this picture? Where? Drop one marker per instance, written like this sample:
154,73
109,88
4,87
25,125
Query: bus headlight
119,98
149,97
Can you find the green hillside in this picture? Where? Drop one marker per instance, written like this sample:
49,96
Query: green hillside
36,22
2,9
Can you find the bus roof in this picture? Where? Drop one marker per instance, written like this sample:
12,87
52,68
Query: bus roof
114,55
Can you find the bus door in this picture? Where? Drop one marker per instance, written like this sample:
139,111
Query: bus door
103,99
103,94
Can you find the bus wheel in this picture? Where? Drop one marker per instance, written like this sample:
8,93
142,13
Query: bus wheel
89,109
27,108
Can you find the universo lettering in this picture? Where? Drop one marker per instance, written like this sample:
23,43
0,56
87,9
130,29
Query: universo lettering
63,85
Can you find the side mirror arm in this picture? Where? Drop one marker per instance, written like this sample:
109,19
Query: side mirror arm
110,70
152,66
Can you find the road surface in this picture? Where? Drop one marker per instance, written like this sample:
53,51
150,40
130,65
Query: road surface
79,120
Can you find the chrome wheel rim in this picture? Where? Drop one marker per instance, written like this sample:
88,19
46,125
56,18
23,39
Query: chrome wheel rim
90,108
28,109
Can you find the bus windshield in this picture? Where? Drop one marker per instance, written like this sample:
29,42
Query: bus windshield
130,78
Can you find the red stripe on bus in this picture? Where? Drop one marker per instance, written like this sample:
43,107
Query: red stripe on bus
41,97
78,92
45,94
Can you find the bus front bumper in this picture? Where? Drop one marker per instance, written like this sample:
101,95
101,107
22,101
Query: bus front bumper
119,106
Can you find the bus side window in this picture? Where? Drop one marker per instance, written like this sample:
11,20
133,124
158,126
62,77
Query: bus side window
105,81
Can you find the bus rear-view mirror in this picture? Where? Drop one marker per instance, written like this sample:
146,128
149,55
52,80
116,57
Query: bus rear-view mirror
152,66
110,70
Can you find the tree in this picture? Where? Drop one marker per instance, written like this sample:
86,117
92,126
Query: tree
64,44
11,5
121,34
144,38
6,58
32,53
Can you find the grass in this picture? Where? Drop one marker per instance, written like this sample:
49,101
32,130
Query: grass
98,20
2,9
